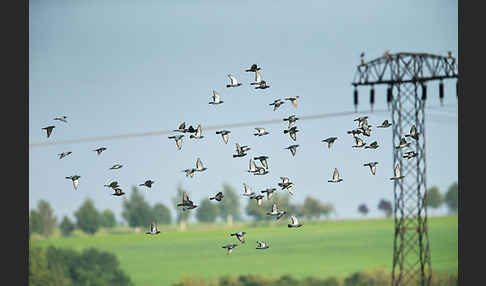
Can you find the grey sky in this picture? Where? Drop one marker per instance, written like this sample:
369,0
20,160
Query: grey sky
116,67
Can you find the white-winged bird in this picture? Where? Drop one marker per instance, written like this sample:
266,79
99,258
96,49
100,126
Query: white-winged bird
293,100
293,149
359,142
329,141
413,133
291,119
275,212
260,171
373,145
248,192
219,196
198,134
216,98
199,166
112,185
178,140
260,131
234,82
335,177
62,118
230,247
263,85
224,134
292,132
240,150
258,198
153,229
263,160
385,124
99,150
190,172
116,166
186,202
403,144
49,130
181,128
75,180
258,78
147,183
261,245
118,192
410,154
269,192
372,166
397,176
294,222
240,235
276,104
253,68
64,154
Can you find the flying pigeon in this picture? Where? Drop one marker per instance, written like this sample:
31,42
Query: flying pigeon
224,134
403,144
190,129
219,196
259,199
276,104
253,68
240,235
248,192
293,149
269,192
372,166
355,132
263,160
116,166
329,141
385,124
181,128
64,154
293,100
263,85
240,150
373,145
362,121
190,172
198,134
147,183
252,168
62,118
260,131
276,212
397,173
49,130
261,245
413,133
75,180
234,82
258,78
118,192
291,119
178,140
359,142
335,177
292,132
186,202
410,154
230,247
99,150
199,166
112,185
216,98
153,229
286,185
294,222
366,130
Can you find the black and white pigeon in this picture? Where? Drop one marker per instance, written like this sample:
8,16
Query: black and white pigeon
153,229
413,133
410,154
61,118
261,245
248,192
216,98
118,192
116,166
291,119
178,140
199,166
224,134
372,166
259,199
263,85
240,235
293,100
263,160
258,78
230,247
112,185
366,130
240,150
64,154
329,141
99,150
359,142
362,121
293,149
294,222
190,172
275,212
190,129
335,177
286,184
373,145
252,167
403,144
75,179
260,131
397,176
355,132
198,133
292,132
219,196
385,124
147,183
186,203
276,104
269,192
49,130
181,128
234,82
253,68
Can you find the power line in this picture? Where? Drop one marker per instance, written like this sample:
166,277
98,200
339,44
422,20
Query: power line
213,127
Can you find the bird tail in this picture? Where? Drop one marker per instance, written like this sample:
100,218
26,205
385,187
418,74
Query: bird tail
228,85
211,198
286,131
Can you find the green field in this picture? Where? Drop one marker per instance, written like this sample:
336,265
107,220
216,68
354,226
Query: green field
321,249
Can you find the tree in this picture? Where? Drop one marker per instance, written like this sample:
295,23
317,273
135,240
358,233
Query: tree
182,216
312,208
386,207
108,219
45,221
229,207
363,209
207,211
136,211
88,219
452,197
35,222
327,209
434,198
161,214
66,226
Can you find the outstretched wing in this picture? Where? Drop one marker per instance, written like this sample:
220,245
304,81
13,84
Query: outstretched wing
179,143
252,166
199,164
397,170
335,175
294,220
274,208
185,198
258,77
233,79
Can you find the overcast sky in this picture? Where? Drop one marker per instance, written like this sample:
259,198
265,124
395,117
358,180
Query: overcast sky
117,67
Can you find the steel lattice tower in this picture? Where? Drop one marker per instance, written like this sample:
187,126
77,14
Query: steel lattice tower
406,75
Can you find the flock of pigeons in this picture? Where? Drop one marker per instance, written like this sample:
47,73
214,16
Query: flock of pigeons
363,128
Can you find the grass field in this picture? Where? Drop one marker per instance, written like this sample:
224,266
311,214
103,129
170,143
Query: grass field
321,249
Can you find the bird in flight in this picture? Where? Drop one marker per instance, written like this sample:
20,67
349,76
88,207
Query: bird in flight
275,212
385,124
410,154
329,141
248,192
153,229
359,142
61,118
335,177
252,168
253,68
413,133
181,128
292,132
294,222
199,166
293,100
234,82
48,129
99,150
198,134
293,149
372,166
112,185
276,104
118,192
190,172
397,176
224,134
269,192
291,119
178,140
116,166
403,143
230,247
147,183
216,98
373,145
263,160
240,235
64,154
240,151
261,245
186,202
263,85
258,78
260,131
219,196
75,180
259,199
